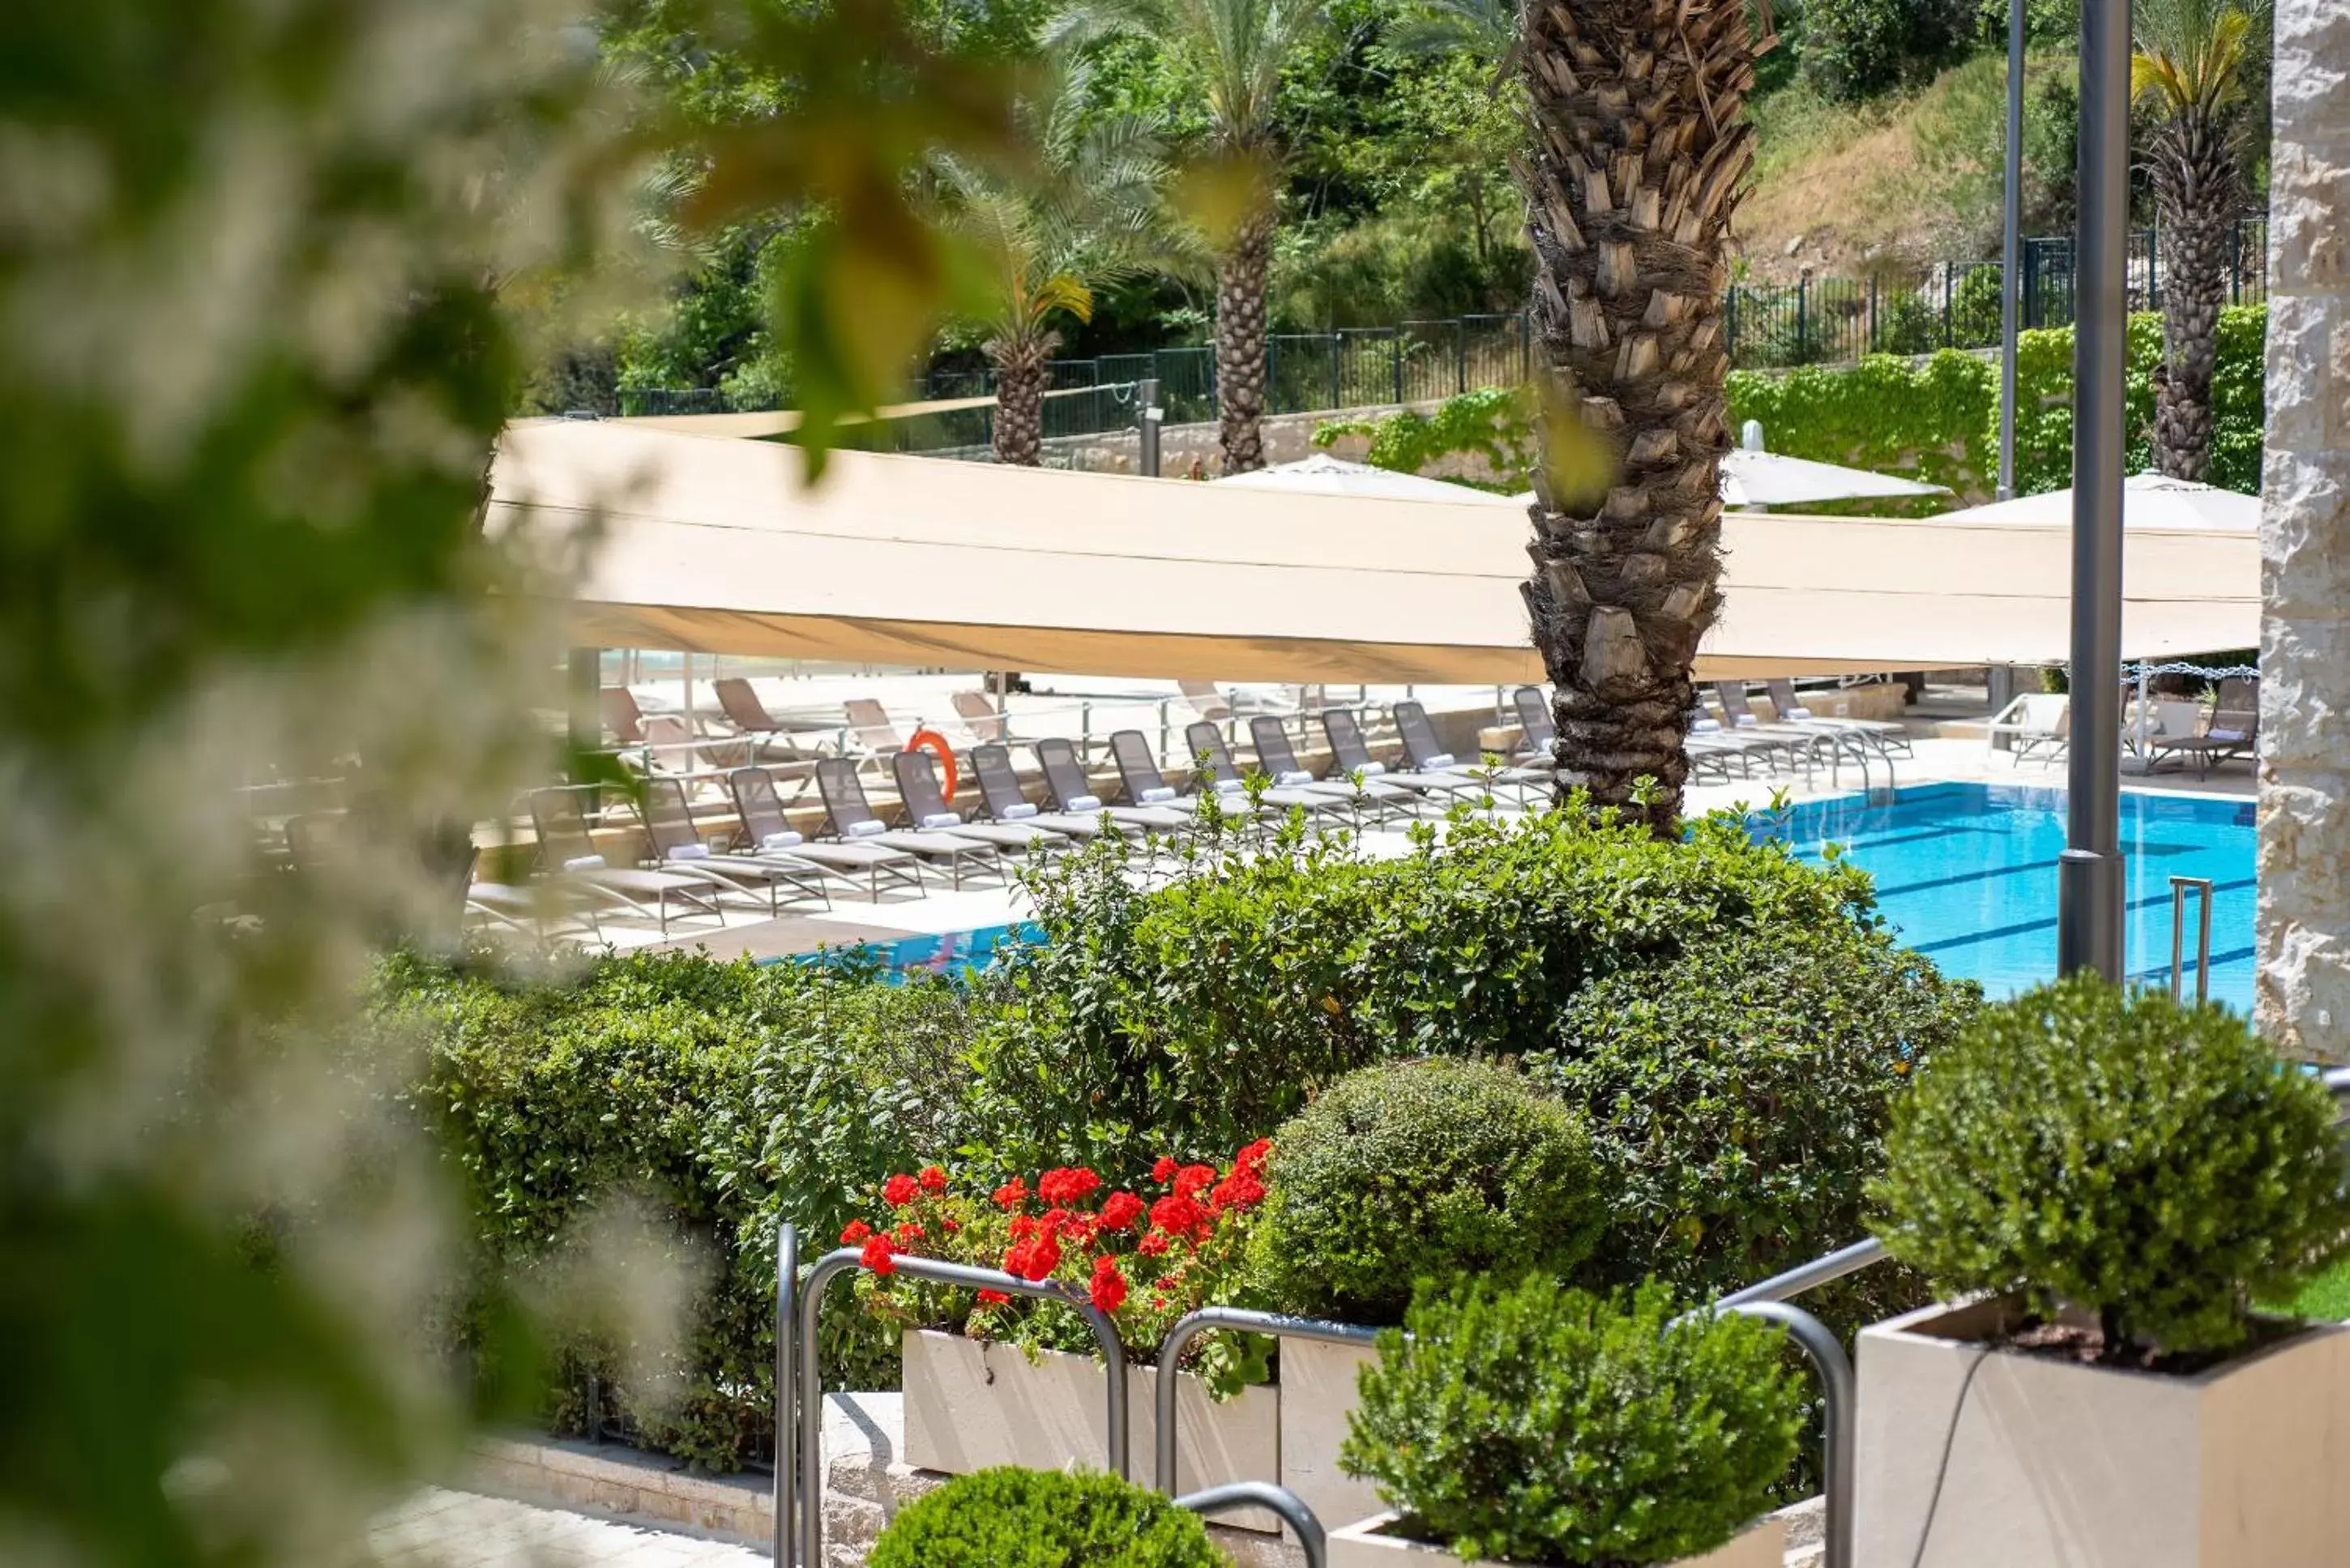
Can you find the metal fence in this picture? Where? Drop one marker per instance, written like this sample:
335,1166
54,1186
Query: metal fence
1814,321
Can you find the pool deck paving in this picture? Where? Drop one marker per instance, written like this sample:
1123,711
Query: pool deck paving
438,1528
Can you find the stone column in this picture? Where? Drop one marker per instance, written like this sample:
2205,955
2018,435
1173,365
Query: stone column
2304,1002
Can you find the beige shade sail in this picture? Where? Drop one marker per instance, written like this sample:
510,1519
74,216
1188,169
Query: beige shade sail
715,546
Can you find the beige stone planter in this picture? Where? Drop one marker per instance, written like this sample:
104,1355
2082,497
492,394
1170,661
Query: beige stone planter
971,1404
1318,1396
1368,1544
2052,1464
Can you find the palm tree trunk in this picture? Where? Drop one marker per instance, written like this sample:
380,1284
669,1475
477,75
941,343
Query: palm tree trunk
2197,193
1020,369
1240,342
1640,144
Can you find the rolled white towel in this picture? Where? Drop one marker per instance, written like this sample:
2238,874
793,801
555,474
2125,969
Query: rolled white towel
1747,719
1232,786
1154,796
1442,760
942,819
784,840
1704,726
1373,770
1294,776
869,829
1020,813
688,852
1084,803
584,863
1799,712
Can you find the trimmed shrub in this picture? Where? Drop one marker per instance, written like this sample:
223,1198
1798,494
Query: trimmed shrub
1738,1097
1198,1015
1422,1170
1011,1518
1538,1424
2118,1151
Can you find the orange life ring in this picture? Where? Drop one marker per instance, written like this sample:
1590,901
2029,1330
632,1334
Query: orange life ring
932,742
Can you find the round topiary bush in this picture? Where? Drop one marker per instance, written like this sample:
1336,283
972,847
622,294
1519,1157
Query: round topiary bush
1538,1424
1738,1098
2116,1151
1011,1518
1422,1170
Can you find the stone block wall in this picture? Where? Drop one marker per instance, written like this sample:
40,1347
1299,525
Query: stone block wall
2302,997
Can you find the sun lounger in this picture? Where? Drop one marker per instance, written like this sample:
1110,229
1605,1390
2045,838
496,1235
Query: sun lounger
1270,735
1214,760
622,717
927,810
1207,700
1538,731
1806,741
869,722
980,720
853,822
766,831
2233,729
1065,782
677,848
566,848
1353,755
1003,801
1891,738
1423,752
2037,723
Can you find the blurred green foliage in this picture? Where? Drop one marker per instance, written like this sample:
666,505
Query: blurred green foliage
271,274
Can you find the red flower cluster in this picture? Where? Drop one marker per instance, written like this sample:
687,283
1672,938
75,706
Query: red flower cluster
1069,1184
899,1190
1120,1210
1108,1286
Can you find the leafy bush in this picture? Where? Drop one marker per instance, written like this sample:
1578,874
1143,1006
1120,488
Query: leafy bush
722,1096
1738,1098
1418,1170
2118,1151
1011,1518
1196,1015
1495,423
1538,1424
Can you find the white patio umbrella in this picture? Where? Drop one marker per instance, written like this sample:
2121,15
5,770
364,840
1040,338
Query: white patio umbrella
1766,479
1322,474
2148,501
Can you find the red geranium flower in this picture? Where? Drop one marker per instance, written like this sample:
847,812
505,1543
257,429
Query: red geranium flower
1109,1289
1238,1191
856,1231
1193,1180
1023,1227
934,1180
1035,1258
1012,1194
1066,1185
899,1190
1119,1212
1164,1171
1176,1215
906,1235
1253,1156
1152,1244
876,1256
993,1298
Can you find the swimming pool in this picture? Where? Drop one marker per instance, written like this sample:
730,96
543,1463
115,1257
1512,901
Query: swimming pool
949,952
1967,873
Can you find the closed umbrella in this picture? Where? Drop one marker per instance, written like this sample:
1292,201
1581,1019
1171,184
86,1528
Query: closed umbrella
2148,501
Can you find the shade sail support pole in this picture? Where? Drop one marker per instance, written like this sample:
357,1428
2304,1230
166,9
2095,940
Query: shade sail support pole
2090,872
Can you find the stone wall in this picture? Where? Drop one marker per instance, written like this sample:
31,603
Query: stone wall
2303,937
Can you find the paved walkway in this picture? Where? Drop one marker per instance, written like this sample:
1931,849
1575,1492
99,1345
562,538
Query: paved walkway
442,1529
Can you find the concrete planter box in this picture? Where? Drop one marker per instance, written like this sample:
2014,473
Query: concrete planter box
1367,1545
2053,1464
1318,1396
971,1404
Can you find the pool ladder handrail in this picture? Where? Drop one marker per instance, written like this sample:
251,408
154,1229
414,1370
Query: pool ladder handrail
2178,888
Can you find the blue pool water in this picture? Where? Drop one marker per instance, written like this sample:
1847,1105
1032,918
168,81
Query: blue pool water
1967,873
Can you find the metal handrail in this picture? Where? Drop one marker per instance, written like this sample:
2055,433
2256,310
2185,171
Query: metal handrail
1839,1391
1179,1339
1291,1507
2179,886
810,1489
788,1278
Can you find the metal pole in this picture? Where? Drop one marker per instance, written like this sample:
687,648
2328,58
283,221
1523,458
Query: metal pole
2010,265
787,1389
1148,417
1837,1421
1311,1541
2089,886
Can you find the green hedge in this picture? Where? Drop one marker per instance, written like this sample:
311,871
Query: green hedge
1187,1019
1935,419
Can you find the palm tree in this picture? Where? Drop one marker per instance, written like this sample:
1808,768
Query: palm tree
2190,73
1085,211
1238,47
1638,148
